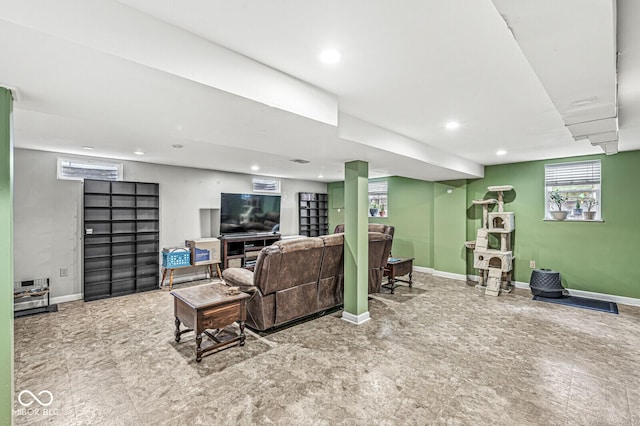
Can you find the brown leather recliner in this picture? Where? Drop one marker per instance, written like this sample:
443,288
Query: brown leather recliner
375,227
284,282
297,278
331,282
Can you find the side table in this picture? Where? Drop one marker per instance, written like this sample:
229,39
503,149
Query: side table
397,267
207,307
208,266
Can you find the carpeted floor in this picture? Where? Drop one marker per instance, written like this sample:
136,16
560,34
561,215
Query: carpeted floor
440,353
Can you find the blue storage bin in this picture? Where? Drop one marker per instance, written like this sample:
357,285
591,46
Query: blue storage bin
175,259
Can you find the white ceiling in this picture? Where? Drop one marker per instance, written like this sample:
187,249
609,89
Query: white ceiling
146,74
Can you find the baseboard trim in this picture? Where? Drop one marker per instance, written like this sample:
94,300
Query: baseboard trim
356,319
623,300
451,275
423,269
67,298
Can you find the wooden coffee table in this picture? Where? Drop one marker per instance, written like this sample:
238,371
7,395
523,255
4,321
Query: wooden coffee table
397,267
209,307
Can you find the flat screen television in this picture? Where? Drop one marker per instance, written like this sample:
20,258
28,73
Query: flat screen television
249,213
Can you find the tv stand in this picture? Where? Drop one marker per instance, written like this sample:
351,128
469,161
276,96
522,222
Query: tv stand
242,250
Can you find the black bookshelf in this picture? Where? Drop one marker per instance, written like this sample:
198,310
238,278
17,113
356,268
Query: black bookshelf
121,238
313,216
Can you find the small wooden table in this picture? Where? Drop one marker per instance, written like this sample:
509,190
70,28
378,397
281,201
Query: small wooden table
208,266
207,307
397,267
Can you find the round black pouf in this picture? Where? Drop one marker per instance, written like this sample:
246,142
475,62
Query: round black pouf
545,283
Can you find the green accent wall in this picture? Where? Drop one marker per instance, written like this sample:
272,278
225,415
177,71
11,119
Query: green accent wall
433,224
356,239
335,191
410,211
450,226
6,258
592,256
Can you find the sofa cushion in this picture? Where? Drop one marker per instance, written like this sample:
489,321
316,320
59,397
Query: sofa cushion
239,277
330,285
296,302
288,263
333,258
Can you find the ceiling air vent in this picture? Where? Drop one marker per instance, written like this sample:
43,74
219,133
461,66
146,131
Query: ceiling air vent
300,161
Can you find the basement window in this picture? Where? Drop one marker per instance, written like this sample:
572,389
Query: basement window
378,198
81,169
266,185
576,186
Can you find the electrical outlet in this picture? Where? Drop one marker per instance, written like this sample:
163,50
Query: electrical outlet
532,264
64,272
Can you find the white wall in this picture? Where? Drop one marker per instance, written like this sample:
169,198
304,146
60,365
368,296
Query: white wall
48,213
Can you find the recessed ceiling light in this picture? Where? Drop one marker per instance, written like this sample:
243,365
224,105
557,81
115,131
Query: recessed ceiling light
320,176
177,145
452,125
501,152
330,56
138,152
255,168
88,148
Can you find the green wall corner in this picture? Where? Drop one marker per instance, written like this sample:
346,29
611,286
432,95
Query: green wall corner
6,257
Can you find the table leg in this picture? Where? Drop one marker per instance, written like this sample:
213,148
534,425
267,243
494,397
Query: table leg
410,279
177,333
171,279
242,335
218,270
199,350
164,274
210,270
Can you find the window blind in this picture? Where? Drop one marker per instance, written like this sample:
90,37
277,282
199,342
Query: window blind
565,174
379,187
76,169
266,185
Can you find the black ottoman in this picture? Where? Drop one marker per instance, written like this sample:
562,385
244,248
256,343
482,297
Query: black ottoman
545,283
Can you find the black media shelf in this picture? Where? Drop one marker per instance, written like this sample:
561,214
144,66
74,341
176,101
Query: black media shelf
313,214
122,238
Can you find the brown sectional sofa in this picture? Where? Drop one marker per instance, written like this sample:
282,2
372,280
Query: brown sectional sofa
296,278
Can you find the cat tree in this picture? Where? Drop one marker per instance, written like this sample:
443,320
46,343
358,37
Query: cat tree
495,266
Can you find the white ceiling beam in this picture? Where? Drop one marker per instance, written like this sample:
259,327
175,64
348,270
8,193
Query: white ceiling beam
147,41
357,130
571,46
594,127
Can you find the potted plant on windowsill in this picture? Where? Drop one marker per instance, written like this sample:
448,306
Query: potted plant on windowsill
373,210
577,210
558,198
590,203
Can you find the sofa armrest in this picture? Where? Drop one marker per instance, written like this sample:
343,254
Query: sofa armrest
239,277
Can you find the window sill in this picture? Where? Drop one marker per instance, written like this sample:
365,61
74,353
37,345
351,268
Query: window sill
572,220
